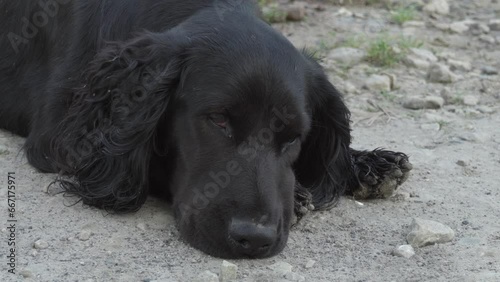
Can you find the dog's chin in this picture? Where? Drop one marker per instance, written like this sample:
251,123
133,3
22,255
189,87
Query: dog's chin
213,241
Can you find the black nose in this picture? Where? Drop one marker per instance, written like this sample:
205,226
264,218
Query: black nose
250,238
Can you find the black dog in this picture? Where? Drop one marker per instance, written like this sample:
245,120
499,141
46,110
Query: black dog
198,101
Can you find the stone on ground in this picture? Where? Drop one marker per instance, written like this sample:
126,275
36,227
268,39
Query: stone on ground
427,232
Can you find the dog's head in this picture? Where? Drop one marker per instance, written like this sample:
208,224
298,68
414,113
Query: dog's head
231,113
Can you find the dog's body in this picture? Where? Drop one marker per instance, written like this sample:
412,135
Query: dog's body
198,101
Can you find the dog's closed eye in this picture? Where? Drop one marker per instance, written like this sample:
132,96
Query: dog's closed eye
221,120
218,119
290,143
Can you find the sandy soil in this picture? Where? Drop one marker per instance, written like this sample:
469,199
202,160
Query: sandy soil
455,151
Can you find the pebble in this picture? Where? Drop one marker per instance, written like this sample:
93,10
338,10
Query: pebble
460,65
448,97
350,88
489,70
346,55
424,54
417,103
470,100
295,13
427,232
479,28
405,251
461,163
310,263
228,271
26,273
415,62
34,253
494,24
378,83
207,276
487,38
281,268
440,73
459,27
485,109
40,244
141,226
84,235
344,12
437,7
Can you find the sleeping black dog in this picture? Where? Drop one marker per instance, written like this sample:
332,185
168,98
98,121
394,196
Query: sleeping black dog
200,102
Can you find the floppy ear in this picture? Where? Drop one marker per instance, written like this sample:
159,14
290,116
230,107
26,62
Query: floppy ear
107,137
324,166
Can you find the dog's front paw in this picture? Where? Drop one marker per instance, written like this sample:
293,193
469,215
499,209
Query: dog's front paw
379,173
302,203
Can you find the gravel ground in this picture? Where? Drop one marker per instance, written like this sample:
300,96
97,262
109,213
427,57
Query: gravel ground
447,120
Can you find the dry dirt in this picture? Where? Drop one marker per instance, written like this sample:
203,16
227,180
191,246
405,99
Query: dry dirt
455,151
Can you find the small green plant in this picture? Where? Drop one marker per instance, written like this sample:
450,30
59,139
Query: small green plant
386,51
273,14
403,15
382,53
3,152
406,42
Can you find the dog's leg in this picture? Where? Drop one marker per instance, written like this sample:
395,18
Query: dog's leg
379,173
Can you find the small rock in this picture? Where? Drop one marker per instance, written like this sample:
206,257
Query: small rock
448,97
310,263
415,62
440,73
460,65
378,83
461,163
40,244
350,88
84,235
433,102
26,273
485,109
295,13
34,253
479,28
141,226
437,7
489,70
291,276
344,12
427,232
494,24
320,8
228,271
207,276
281,268
459,27
347,56
487,38
417,103
405,251
470,100
424,54
431,126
